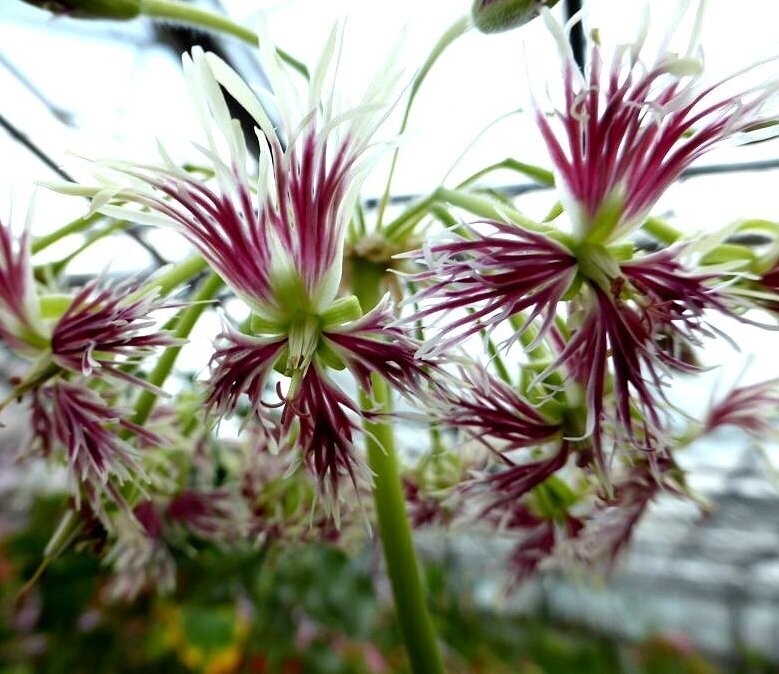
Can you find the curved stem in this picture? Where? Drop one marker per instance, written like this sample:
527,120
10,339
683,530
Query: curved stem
394,527
185,13
457,29
74,227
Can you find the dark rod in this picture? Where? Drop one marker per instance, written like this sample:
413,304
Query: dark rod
577,33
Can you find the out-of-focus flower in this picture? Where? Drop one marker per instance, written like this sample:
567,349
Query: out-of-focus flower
75,417
628,128
21,325
210,514
280,248
752,408
609,525
494,16
140,558
106,327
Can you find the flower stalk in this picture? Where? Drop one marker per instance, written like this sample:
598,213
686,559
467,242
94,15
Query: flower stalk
394,528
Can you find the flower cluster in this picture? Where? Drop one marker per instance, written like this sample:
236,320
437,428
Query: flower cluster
80,346
567,414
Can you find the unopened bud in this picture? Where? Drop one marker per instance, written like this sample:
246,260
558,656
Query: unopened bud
494,16
91,9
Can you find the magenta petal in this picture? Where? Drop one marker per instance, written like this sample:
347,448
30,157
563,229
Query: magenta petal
494,276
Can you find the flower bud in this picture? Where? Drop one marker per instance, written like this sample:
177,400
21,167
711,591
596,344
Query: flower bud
495,16
91,9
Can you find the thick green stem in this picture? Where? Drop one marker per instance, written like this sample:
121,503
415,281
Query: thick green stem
185,13
394,528
178,274
184,324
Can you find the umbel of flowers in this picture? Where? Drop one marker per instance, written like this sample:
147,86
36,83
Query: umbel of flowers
544,349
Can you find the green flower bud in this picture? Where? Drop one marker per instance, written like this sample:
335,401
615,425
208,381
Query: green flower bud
91,9
494,16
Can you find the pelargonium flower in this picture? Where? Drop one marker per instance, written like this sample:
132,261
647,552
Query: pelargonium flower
628,129
21,326
753,408
279,246
625,313
494,272
103,326
73,416
108,325
529,446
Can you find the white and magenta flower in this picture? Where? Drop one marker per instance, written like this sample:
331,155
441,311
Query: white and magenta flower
21,326
103,331
100,461
529,446
628,128
108,326
278,243
493,271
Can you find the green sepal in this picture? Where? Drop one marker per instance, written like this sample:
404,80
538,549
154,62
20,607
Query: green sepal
343,310
553,498
728,252
328,356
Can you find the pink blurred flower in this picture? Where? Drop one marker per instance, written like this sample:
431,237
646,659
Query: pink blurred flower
20,322
752,408
75,417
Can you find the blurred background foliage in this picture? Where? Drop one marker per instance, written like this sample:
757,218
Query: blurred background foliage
306,608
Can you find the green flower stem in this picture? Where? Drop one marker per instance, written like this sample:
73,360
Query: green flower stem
186,13
394,528
487,208
178,274
457,29
184,323
75,227
539,175
475,204
56,267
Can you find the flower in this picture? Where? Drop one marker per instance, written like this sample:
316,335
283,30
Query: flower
75,417
108,325
103,326
529,446
629,128
21,325
626,314
494,274
279,246
751,408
